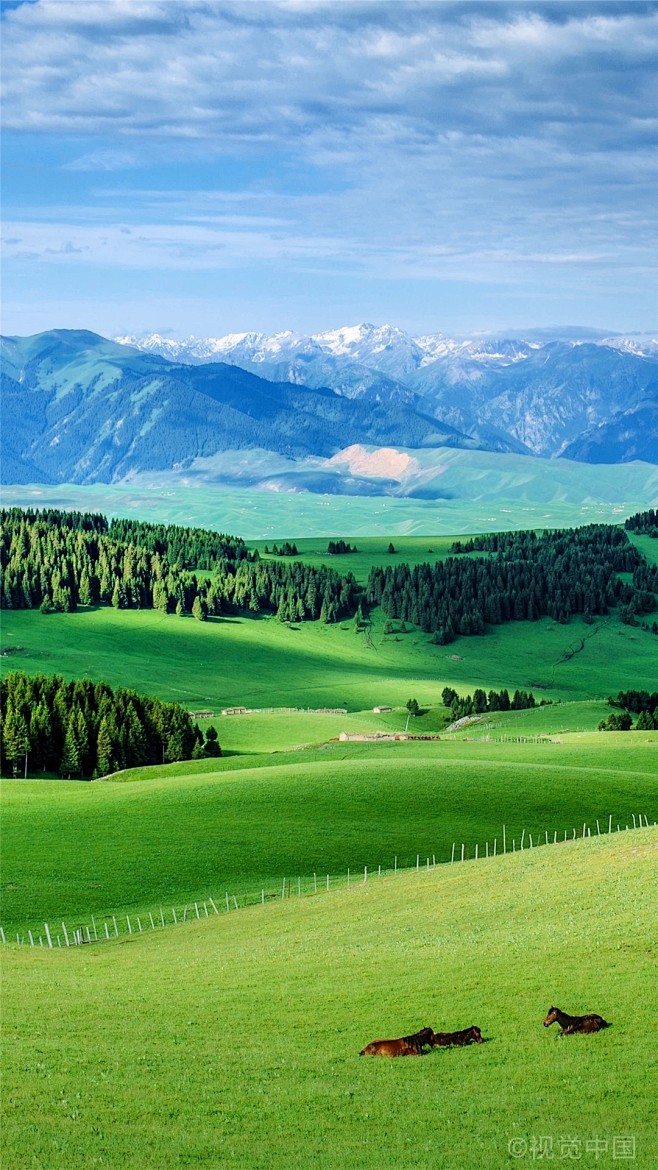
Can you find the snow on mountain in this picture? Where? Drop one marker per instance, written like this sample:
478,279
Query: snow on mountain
535,394
641,346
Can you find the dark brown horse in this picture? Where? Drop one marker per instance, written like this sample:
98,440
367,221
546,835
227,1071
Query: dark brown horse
466,1036
570,1024
405,1046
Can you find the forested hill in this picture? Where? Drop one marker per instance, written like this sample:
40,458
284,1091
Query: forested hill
84,728
524,576
59,560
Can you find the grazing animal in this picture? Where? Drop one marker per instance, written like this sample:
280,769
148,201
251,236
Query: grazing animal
405,1046
466,1036
570,1024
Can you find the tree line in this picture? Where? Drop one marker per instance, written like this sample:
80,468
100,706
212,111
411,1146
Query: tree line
58,561
481,703
524,577
340,547
86,729
641,703
644,523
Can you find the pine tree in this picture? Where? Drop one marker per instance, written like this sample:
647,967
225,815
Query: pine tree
70,762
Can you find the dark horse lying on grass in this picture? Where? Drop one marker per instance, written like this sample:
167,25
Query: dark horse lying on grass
405,1046
466,1036
571,1024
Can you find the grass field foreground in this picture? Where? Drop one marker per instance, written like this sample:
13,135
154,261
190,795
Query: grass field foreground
233,1042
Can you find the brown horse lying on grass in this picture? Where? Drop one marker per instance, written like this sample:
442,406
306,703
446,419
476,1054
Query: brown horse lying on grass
447,1039
571,1024
405,1046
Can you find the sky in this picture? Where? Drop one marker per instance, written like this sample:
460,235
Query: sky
205,167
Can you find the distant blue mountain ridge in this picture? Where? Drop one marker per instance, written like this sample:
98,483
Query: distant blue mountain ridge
80,408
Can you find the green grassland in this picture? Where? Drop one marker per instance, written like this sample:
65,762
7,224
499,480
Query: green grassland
263,663
372,551
177,834
233,1042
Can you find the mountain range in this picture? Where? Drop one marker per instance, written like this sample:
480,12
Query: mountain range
80,408
590,399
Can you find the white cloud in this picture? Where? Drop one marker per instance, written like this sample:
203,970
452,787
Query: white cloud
458,141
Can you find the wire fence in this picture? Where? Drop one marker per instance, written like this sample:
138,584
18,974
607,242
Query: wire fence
104,928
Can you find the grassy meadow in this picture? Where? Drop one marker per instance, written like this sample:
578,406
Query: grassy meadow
233,1042
174,835
259,662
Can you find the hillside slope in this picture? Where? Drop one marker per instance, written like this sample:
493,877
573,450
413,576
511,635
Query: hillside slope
82,409
130,1054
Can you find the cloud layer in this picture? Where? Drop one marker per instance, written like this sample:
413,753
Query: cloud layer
416,141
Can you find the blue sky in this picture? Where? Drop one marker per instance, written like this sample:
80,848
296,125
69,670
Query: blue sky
193,166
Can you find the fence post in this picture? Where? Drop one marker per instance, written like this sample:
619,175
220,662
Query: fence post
46,928
365,874
486,848
66,937
348,877
29,935
598,830
173,911
327,881
107,933
522,838
130,929
476,852
395,866
262,897
462,850
610,823
417,862
93,923
212,904
504,841
236,901
495,845
116,928
228,907
452,855
283,891
153,923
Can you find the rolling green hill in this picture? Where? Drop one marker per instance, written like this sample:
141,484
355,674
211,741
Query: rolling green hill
233,1042
177,834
